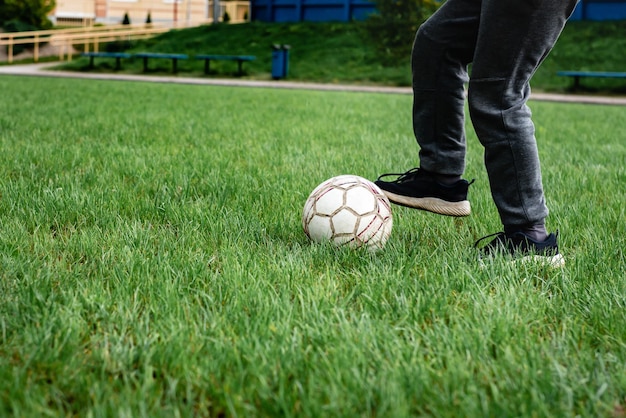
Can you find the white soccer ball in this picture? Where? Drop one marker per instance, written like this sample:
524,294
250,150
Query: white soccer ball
348,210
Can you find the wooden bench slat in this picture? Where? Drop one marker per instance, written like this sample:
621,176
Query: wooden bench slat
161,55
107,54
227,57
577,75
601,74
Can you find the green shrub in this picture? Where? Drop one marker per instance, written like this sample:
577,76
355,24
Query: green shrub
31,12
16,25
19,26
392,28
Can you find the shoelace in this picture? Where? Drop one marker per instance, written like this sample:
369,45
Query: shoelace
408,175
497,234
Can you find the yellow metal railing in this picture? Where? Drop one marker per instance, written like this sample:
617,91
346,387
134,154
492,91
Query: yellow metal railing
65,42
89,37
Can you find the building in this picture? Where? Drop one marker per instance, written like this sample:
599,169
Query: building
600,10
191,12
176,12
347,10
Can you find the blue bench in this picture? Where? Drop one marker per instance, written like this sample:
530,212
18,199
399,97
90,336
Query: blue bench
577,75
239,58
156,55
117,55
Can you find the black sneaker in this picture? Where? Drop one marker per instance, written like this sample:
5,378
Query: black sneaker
520,247
417,189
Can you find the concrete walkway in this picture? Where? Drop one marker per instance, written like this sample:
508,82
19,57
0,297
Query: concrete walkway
42,70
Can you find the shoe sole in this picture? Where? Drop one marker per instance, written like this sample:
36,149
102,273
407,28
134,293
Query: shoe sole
553,261
431,204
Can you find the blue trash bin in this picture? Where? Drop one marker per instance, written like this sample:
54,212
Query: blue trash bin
285,50
280,61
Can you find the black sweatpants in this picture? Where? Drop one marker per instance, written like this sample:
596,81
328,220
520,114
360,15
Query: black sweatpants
505,41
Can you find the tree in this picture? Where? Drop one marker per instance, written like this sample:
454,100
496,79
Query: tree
392,27
31,12
126,20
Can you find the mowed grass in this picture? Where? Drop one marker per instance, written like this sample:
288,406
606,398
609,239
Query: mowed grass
152,263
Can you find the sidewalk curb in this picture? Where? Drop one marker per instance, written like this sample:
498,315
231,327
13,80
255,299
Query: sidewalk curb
41,70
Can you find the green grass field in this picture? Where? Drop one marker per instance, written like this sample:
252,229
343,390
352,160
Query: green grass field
152,263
